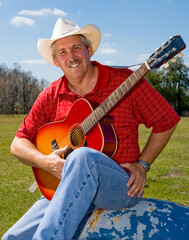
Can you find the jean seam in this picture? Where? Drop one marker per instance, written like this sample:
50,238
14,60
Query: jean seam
124,173
97,162
112,167
69,207
71,204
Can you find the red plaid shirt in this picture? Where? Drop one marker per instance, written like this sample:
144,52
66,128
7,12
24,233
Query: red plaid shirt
143,105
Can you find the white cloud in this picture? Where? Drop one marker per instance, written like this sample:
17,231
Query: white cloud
110,63
33,61
142,57
19,21
107,44
0,3
106,50
107,35
43,12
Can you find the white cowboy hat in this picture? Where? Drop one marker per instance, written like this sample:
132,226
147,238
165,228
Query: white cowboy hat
64,28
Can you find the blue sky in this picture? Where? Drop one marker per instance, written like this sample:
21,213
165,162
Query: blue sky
131,29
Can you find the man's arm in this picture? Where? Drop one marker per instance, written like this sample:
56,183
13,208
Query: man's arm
156,143
28,154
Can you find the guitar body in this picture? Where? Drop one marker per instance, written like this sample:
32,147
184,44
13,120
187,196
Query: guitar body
56,135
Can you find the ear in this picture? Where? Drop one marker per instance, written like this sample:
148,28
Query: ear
55,62
90,50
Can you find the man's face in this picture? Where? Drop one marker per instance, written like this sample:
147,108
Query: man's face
72,56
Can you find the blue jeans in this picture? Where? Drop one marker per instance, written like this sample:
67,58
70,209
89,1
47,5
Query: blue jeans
90,180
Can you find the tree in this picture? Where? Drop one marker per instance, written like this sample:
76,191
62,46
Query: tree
18,90
173,83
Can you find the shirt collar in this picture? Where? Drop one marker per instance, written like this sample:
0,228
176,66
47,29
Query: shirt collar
102,80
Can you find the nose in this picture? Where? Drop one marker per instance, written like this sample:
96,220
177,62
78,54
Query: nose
71,56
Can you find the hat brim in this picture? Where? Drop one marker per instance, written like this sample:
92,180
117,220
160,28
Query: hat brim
90,31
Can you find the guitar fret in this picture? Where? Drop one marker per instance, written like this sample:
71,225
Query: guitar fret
118,96
121,89
135,75
85,126
141,72
111,101
129,82
106,104
144,69
100,112
92,119
126,87
113,98
89,122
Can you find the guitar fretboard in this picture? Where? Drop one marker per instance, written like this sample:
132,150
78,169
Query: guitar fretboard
113,99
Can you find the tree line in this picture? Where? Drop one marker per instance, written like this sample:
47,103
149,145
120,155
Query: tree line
19,89
172,82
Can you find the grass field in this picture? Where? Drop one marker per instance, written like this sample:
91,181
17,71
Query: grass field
168,178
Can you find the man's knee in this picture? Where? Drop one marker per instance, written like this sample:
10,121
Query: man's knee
83,155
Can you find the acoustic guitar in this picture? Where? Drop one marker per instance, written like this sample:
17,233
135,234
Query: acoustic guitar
84,126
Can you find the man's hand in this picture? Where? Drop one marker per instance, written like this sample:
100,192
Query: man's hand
154,146
137,178
28,154
56,163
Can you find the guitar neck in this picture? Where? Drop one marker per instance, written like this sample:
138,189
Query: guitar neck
114,98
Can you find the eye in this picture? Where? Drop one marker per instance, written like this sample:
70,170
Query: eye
76,47
62,52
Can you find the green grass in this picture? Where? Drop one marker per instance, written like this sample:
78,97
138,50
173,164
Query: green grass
15,178
169,175
168,178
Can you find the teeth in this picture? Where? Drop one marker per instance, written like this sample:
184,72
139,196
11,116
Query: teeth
74,65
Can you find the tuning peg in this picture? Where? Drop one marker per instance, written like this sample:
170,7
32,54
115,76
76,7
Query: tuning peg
181,55
166,65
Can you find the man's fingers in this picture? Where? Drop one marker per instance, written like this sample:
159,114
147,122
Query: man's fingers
136,180
136,188
61,151
131,180
141,190
56,162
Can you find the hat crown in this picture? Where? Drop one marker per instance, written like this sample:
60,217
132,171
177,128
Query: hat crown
64,27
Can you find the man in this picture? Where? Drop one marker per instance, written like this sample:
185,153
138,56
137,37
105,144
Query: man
88,178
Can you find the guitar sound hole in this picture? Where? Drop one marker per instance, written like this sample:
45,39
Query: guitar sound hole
77,136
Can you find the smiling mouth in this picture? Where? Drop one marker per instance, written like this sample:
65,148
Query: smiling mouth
74,64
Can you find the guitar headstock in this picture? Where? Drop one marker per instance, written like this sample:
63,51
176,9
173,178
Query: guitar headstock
167,51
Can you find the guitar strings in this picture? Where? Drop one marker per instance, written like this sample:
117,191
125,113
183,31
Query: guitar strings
108,103
72,138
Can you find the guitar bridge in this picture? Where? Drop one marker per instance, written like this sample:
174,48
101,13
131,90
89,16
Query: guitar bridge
54,145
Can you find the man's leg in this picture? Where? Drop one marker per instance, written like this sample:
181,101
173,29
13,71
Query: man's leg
88,177
27,225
